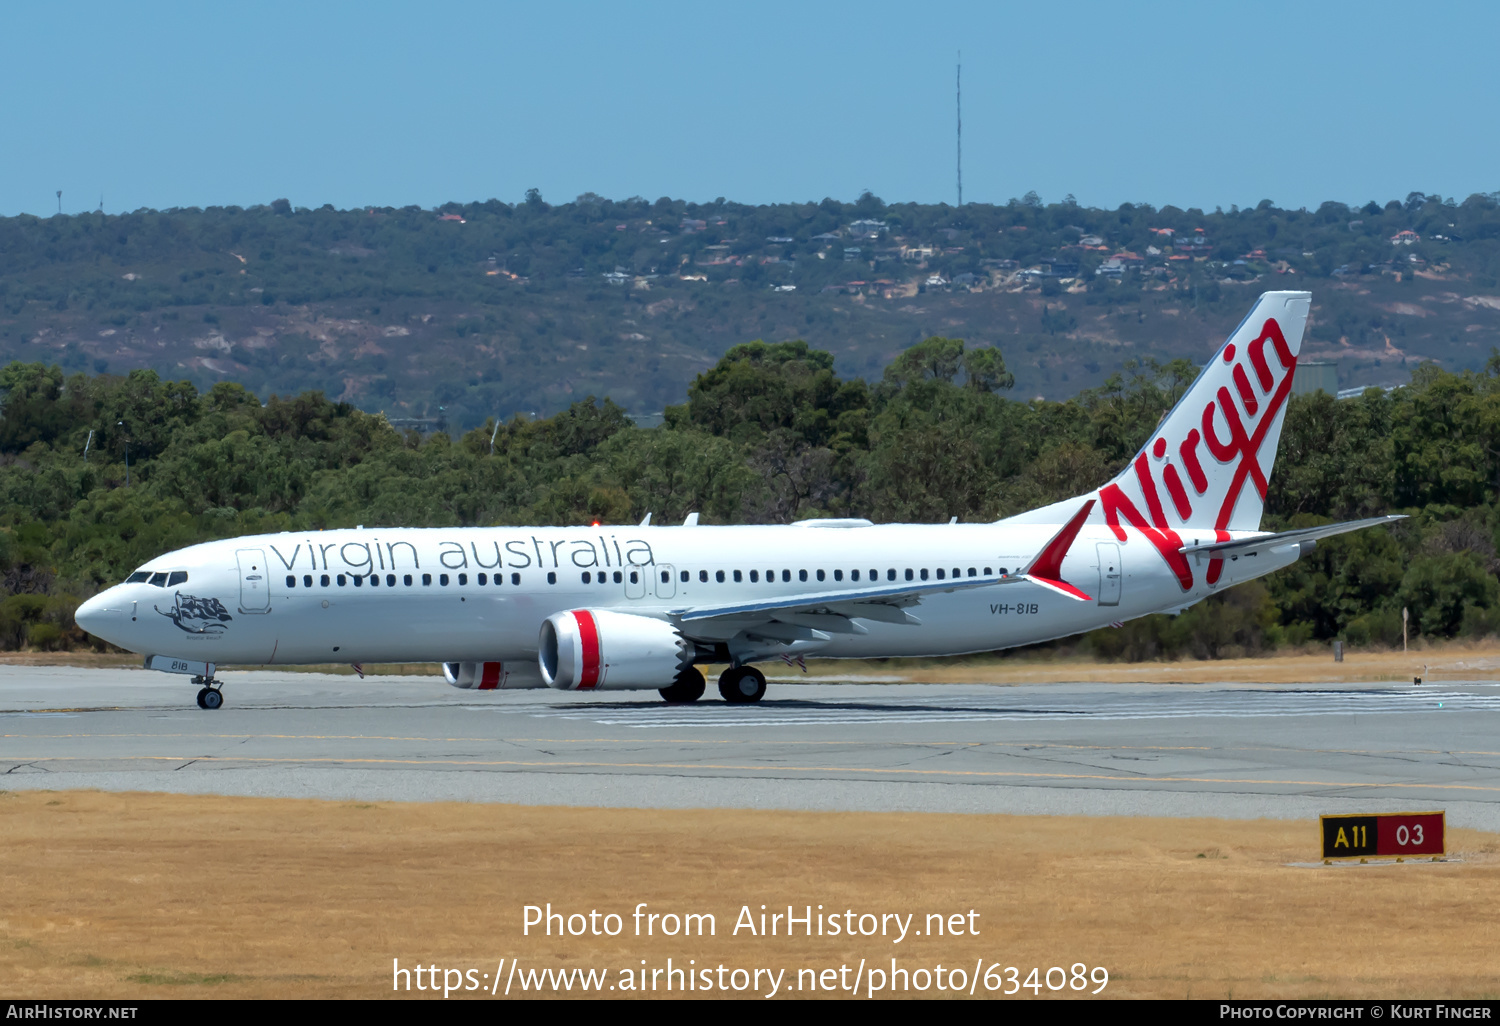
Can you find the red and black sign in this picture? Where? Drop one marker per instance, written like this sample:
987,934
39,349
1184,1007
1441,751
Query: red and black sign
1383,835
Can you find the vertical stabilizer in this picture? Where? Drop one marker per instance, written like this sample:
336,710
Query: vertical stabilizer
1205,469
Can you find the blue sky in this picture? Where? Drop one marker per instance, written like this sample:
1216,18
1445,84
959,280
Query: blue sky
162,104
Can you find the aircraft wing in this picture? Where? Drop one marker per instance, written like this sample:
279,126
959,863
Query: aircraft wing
816,615
1246,546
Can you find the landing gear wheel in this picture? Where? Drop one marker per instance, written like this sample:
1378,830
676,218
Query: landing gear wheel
210,698
741,685
688,687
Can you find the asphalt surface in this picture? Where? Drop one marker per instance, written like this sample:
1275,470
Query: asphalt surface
1091,749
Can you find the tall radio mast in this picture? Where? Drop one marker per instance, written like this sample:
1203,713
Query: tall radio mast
960,85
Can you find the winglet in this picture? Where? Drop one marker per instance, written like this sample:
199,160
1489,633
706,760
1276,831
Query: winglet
1046,568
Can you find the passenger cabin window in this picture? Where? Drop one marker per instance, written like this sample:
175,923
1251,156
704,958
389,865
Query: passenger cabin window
973,572
323,581
406,580
635,577
890,575
786,576
909,574
443,580
340,579
291,581
804,575
684,576
463,578
737,577
587,578
924,574
390,580
754,576
514,578
307,580
666,577
426,580
703,576
719,576
838,575
552,576
939,573
359,582
619,578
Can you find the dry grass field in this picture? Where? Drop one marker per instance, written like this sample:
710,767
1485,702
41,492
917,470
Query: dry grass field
137,895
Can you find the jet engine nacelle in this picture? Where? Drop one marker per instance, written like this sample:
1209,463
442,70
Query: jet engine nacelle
493,676
595,649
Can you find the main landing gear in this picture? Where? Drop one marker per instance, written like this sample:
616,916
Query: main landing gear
742,684
210,697
739,685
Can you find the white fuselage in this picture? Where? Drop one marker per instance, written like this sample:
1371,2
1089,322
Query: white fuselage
477,594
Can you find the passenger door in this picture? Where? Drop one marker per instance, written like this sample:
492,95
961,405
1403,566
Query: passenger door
255,585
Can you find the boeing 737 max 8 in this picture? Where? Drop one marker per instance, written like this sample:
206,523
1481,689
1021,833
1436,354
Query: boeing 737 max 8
609,608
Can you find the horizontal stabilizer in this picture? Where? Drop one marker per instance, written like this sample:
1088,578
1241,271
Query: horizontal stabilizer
1217,549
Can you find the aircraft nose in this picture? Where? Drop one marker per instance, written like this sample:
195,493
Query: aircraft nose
101,615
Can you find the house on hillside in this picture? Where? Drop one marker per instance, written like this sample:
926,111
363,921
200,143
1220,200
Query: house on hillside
452,217
1406,237
866,228
916,253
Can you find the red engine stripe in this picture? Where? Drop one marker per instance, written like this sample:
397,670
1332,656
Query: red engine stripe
491,678
588,633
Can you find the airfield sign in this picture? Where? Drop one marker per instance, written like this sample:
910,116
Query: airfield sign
1383,835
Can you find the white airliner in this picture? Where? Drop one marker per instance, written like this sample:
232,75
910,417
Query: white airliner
614,608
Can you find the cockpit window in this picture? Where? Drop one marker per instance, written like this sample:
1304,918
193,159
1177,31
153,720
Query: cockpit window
138,577
159,579
178,577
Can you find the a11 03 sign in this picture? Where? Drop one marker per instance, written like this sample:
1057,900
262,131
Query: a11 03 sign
1383,835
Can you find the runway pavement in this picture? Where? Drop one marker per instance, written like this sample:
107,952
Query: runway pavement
1094,749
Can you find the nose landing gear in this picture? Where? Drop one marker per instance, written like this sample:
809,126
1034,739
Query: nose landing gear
210,697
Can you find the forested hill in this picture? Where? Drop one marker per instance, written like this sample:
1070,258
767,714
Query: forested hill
770,434
488,309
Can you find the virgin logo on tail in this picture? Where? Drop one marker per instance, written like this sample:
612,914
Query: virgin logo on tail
1218,452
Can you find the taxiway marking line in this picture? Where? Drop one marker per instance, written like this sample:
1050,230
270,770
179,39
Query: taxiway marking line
635,742
532,764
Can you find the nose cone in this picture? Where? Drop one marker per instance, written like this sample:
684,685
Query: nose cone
102,616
